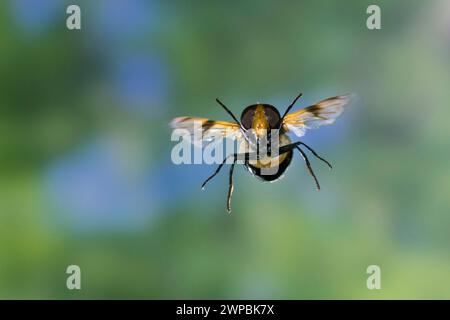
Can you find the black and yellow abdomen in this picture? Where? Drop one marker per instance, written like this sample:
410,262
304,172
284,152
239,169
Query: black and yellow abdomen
272,168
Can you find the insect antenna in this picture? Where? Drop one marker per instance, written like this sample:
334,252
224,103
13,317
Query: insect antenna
231,114
290,107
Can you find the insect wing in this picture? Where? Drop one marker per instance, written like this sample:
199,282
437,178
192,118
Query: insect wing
319,114
202,131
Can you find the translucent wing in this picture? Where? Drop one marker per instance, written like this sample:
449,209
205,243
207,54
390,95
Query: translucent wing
321,113
202,131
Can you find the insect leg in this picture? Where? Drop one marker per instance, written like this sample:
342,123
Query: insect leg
291,146
216,172
235,156
230,187
288,147
308,165
316,155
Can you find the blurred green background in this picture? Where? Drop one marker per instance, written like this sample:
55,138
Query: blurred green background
87,179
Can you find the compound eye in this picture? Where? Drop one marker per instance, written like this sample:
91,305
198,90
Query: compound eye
247,117
272,115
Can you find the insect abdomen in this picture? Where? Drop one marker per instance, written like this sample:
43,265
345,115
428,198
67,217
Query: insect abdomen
264,173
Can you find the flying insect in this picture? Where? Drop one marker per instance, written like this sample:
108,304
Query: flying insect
263,132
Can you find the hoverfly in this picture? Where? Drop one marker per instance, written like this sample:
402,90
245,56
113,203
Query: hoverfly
258,124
